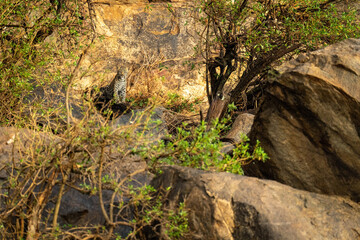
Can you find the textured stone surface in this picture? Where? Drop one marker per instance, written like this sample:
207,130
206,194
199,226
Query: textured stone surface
309,123
228,206
242,125
13,141
156,42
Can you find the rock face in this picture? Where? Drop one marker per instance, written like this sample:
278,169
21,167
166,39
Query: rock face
309,123
154,39
228,206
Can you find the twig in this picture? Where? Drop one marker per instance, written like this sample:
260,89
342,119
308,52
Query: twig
58,202
72,76
108,221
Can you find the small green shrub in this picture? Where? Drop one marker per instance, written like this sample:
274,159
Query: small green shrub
179,104
151,212
201,148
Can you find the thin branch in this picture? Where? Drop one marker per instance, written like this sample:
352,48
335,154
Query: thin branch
207,60
58,202
72,76
118,187
106,216
256,66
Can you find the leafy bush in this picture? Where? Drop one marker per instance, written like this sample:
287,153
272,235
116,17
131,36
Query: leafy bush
242,40
201,148
27,60
177,103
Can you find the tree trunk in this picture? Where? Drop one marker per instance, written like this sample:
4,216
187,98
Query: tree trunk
217,110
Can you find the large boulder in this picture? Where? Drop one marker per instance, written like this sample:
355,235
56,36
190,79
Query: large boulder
309,122
228,206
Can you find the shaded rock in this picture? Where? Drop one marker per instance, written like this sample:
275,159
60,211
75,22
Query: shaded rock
80,209
228,206
15,145
13,141
147,123
77,208
309,123
103,104
50,106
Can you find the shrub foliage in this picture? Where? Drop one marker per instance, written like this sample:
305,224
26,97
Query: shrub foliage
241,40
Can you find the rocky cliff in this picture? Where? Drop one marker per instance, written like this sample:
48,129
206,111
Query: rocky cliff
154,39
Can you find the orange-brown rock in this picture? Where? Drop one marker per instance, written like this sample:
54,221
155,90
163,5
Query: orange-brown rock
156,40
309,123
229,206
